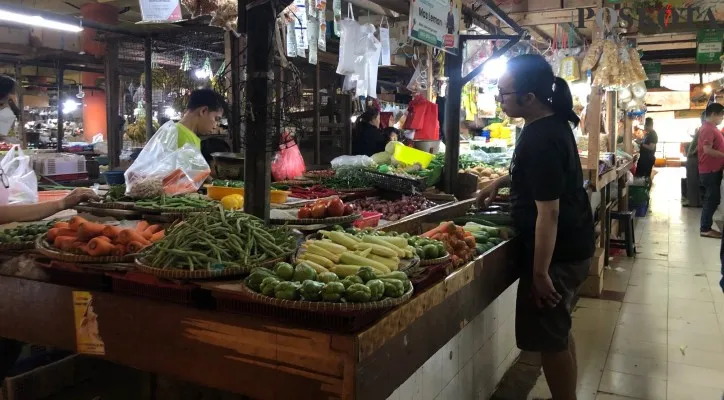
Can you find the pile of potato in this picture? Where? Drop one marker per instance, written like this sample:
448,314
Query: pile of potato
485,174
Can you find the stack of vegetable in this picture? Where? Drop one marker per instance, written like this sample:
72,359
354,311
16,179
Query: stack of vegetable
180,203
489,230
344,253
23,233
303,282
227,183
325,208
458,242
217,240
352,178
426,249
392,210
85,237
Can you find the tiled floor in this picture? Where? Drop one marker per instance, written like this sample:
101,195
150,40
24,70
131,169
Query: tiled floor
666,339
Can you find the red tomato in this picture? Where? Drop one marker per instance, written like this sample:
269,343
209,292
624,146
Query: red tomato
348,209
319,211
304,213
335,208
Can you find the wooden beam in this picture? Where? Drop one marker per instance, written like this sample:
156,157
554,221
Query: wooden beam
666,46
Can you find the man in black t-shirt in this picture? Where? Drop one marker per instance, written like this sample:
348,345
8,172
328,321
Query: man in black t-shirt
552,214
647,156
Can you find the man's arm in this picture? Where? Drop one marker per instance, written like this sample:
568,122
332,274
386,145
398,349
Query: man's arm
487,195
709,151
38,211
649,146
546,229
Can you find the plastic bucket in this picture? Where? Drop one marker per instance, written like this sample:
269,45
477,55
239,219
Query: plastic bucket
114,177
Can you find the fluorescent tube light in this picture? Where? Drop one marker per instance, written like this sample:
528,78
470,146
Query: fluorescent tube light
36,20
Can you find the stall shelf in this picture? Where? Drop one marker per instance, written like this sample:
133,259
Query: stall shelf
252,355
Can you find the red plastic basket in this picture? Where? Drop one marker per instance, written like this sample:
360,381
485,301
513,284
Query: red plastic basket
370,219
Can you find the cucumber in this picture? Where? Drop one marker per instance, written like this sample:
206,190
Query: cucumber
496,218
473,218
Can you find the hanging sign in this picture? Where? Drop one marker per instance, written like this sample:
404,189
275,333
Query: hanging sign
87,333
160,11
709,46
436,22
653,74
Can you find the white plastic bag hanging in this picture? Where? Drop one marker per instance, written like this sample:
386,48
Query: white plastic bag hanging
322,33
367,55
165,165
350,31
23,182
385,42
313,30
337,9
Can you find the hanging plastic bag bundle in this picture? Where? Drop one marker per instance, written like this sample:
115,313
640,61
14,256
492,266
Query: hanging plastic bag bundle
163,167
350,31
23,183
288,163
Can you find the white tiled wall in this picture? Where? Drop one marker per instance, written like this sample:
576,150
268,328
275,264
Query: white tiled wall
472,363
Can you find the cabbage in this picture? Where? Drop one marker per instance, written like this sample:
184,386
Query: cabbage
381,158
390,147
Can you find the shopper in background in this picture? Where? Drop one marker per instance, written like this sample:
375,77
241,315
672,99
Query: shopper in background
692,194
647,156
203,112
368,139
551,212
710,149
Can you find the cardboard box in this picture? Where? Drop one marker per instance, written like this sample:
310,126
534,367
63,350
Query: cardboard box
596,268
592,287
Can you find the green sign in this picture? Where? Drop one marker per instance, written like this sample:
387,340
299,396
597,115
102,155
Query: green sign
709,46
653,75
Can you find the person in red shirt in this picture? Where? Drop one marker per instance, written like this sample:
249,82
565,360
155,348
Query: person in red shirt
711,161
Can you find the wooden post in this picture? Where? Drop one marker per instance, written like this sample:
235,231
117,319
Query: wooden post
453,70
611,119
148,90
115,140
627,134
59,84
593,128
235,83
317,133
20,130
260,24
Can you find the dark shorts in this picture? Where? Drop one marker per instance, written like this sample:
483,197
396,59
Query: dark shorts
546,329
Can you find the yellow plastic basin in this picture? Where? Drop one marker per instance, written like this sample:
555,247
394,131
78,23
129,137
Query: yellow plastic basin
219,192
409,156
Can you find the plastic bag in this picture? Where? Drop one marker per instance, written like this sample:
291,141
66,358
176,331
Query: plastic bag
180,169
352,161
348,41
288,163
22,179
592,56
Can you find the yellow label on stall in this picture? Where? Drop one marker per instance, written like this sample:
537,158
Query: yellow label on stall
87,334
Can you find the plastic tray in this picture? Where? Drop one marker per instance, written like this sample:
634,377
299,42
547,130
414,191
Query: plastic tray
396,183
369,219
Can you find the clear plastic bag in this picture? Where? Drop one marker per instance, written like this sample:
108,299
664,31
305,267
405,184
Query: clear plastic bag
22,179
352,161
592,56
180,169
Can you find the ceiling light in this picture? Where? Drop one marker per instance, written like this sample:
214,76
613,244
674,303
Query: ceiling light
36,20
495,68
707,89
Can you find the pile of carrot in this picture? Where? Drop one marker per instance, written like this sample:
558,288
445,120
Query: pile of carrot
459,243
82,236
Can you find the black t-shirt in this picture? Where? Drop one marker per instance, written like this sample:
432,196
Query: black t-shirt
368,140
650,138
546,167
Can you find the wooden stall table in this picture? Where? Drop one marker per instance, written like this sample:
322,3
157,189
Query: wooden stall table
257,357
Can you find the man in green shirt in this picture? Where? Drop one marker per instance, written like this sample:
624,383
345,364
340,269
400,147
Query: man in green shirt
203,112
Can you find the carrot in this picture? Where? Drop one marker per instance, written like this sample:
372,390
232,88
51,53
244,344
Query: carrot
64,242
141,226
75,222
105,238
111,231
99,247
119,250
153,229
76,245
130,235
135,247
55,232
62,224
158,236
444,227
470,241
89,230
84,248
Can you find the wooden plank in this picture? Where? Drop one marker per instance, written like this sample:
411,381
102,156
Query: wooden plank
249,356
592,126
611,119
408,349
